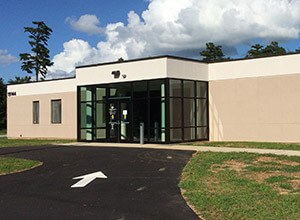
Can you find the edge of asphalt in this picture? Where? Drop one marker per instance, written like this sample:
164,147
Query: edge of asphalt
188,147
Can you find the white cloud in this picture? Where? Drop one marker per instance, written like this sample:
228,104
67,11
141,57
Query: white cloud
6,58
86,23
182,27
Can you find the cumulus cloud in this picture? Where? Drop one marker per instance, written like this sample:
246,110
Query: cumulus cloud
6,58
182,27
86,23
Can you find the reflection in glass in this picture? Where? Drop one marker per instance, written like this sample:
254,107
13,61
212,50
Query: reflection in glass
189,112
86,115
175,87
202,133
201,89
188,89
189,134
86,134
175,134
175,112
100,93
201,112
101,133
100,114
85,94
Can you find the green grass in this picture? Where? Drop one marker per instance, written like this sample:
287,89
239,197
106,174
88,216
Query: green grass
260,145
12,165
222,186
4,142
2,131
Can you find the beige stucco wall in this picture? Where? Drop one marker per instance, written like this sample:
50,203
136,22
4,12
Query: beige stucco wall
185,69
20,116
258,67
142,70
137,70
255,109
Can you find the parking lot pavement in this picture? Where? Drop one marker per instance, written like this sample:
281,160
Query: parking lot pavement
140,184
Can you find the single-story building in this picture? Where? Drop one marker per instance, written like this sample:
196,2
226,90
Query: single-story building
177,99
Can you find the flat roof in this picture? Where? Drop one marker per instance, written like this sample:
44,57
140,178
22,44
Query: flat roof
185,59
46,80
141,59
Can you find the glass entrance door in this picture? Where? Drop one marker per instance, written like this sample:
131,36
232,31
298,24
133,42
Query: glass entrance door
119,121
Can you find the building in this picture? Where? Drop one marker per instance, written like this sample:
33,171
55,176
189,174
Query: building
177,99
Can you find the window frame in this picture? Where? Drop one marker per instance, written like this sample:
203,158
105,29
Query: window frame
52,111
36,114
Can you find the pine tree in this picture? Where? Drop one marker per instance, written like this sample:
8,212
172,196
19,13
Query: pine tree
37,61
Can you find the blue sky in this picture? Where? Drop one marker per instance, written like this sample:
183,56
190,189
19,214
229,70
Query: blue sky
94,31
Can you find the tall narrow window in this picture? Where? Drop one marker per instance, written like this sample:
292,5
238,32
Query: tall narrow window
56,111
36,112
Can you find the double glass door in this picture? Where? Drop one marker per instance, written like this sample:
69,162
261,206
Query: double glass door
119,120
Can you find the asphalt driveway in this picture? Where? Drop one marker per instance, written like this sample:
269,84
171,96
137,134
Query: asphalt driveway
141,184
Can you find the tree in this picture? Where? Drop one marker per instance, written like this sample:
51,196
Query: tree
273,48
19,80
2,104
37,61
255,51
213,53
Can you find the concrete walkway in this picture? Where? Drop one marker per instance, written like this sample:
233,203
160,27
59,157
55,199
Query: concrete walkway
2,136
188,147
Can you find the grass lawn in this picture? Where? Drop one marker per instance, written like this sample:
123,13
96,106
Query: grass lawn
2,131
242,186
4,142
261,145
12,165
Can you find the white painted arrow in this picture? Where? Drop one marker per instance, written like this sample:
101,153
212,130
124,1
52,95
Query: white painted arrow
86,179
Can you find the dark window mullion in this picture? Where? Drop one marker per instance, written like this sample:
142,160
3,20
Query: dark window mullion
195,107
148,112
182,111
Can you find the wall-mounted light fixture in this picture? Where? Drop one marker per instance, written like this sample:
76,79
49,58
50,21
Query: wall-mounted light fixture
116,74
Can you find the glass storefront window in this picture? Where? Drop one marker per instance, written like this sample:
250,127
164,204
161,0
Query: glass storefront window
157,135
157,88
157,113
189,112
86,115
175,134
120,90
201,112
144,101
140,89
101,133
140,113
85,94
86,135
202,133
100,114
100,94
175,88
175,112
188,89
201,89
189,134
